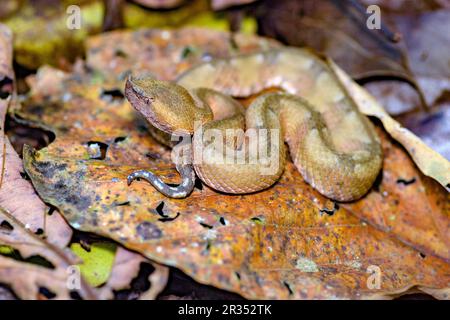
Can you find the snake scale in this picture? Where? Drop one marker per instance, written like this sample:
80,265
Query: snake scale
333,145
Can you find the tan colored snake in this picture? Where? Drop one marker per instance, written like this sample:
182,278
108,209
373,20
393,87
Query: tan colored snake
331,143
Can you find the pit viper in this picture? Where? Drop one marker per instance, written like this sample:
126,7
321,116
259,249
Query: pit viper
236,150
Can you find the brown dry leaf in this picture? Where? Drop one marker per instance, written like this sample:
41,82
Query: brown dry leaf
34,45
9,7
34,277
285,242
432,127
23,213
338,29
16,235
166,53
27,280
126,267
427,41
159,64
407,204
429,161
17,194
407,6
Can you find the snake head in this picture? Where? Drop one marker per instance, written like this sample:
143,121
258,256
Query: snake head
166,105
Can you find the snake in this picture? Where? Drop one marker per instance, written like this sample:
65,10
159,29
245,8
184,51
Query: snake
237,150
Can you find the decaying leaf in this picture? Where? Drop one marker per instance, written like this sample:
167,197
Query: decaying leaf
432,127
34,45
54,277
126,266
429,161
23,215
33,278
285,242
15,235
6,293
165,53
412,43
408,7
113,268
9,7
407,204
22,212
36,282
126,262
339,30
17,194
427,44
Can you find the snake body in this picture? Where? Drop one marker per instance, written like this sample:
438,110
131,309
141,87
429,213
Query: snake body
331,143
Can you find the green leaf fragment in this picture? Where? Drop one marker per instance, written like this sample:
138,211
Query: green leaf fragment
97,263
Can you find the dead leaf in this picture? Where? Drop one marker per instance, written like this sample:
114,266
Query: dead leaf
17,195
432,127
429,161
285,242
6,293
16,235
114,268
9,7
35,282
337,29
116,55
56,276
22,214
407,6
126,267
427,43
407,204
19,202
34,45
32,278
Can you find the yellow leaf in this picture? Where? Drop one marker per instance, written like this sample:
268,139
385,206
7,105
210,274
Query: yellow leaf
97,263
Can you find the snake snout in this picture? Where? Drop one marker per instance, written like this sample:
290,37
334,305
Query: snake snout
166,105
